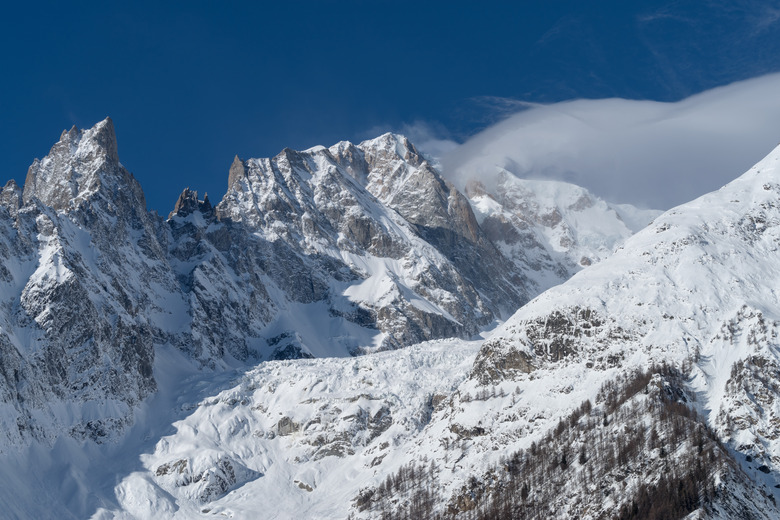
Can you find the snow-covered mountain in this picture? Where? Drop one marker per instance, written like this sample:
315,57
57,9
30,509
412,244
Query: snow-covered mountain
550,229
371,234
694,290
152,368
643,387
93,283
367,243
86,295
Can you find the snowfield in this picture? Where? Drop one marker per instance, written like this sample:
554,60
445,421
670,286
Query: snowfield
300,437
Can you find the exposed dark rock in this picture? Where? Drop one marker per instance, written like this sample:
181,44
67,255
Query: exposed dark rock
496,362
286,426
237,171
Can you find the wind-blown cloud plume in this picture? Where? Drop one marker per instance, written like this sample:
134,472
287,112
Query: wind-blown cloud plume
642,152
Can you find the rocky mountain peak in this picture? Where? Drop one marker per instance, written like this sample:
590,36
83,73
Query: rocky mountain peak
188,203
70,134
11,197
401,178
391,147
237,171
76,167
352,159
104,136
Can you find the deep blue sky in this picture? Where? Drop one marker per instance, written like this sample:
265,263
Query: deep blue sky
190,84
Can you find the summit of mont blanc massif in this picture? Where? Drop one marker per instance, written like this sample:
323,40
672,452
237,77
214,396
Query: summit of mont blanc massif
349,335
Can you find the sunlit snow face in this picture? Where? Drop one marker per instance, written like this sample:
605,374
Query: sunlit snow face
642,152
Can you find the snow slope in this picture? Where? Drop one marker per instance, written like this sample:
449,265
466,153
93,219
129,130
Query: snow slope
306,435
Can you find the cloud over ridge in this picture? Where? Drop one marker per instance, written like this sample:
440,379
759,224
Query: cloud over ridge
647,153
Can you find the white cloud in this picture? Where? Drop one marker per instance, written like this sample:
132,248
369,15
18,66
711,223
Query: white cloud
641,152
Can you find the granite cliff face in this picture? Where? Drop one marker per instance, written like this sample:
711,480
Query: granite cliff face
307,229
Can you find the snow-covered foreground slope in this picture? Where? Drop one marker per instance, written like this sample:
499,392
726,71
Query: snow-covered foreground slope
697,289
304,437
320,438
295,438
700,285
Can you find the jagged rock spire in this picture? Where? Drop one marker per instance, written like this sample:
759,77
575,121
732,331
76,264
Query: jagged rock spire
11,197
237,171
75,167
188,203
